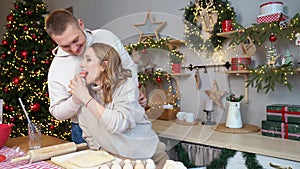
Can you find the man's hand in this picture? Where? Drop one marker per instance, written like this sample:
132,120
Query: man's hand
142,99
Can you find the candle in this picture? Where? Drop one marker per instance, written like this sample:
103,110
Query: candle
208,105
167,106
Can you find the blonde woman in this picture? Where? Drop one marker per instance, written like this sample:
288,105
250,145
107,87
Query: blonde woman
115,121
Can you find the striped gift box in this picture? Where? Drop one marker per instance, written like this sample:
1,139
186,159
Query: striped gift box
281,130
240,63
271,18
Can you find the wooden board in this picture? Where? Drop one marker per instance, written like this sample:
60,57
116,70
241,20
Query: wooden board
63,160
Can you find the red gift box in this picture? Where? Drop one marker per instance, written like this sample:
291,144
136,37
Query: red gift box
240,63
271,18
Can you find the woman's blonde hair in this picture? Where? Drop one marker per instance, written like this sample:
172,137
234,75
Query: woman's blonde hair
114,74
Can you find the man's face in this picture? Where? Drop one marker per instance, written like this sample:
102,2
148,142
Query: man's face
73,40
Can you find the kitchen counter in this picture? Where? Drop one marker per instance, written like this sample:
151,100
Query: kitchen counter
251,142
22,142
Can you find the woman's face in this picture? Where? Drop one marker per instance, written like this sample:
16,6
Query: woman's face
90,66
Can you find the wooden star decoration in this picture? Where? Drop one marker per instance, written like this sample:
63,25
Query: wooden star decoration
149,28
215,95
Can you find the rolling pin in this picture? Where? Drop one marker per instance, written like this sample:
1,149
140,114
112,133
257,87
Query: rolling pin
50,151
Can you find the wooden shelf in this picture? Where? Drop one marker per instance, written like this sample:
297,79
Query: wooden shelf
226,34
245,74
180,74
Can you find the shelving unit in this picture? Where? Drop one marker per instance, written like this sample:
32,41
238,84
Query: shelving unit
245,74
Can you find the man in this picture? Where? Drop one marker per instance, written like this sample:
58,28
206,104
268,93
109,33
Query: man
73,39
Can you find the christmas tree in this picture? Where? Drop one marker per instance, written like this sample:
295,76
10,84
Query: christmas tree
24,63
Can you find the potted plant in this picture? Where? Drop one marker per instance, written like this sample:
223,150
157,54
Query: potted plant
176,58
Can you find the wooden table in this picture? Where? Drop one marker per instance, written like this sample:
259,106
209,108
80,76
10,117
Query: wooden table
22,142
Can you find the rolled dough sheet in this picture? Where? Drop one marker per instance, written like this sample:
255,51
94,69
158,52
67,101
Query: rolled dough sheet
87,159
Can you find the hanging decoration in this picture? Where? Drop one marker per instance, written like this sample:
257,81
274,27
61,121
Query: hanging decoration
149,28
275,71
215,95
203,20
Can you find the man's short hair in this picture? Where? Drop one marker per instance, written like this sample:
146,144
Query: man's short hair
57,21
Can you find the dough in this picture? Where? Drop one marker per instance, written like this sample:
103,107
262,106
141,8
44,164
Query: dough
91,159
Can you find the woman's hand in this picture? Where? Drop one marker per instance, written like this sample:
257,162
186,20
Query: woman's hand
79,91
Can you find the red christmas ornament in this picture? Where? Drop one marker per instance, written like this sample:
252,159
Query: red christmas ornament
13,49
51,127
16,80
12,119
25,28
14,41
29,12
5,90
33,59
3,55
46,95
35,107
47,62
6,107
158,79
10,17
4,42
24,54
11,108
33,36
273,38
16,7
21,69
8,26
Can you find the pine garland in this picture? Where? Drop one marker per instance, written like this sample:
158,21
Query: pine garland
251,161
183,156
264,77
259,33
221,162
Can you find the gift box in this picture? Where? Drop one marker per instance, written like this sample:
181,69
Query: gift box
169,114
271,17
284,113
271,7
281,130
240,63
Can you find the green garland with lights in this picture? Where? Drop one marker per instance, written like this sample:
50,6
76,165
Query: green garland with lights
264,77
150,77
259,33
193,31
149,43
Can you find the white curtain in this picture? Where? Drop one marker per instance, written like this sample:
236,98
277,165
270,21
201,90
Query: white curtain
198,154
